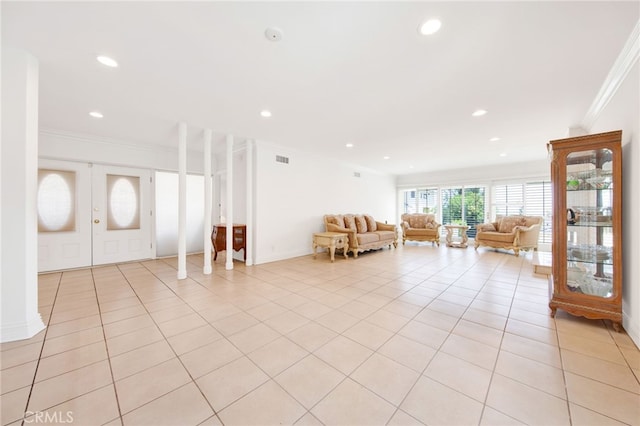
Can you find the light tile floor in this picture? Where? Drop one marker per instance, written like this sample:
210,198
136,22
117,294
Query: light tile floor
417,335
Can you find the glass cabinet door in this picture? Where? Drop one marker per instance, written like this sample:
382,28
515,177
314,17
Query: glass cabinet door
589,203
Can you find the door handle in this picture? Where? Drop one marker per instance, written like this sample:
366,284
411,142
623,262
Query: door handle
96,221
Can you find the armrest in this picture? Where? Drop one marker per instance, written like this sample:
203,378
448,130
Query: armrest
405,225
353,241
332,227
385,226
527,236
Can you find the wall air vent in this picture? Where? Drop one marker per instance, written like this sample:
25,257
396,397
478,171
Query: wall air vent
356,174
282,159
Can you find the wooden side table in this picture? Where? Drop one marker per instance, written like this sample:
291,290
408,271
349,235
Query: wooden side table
219,238
331,241
461,230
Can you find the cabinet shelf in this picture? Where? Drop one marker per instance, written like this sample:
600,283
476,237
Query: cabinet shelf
590,225
586,174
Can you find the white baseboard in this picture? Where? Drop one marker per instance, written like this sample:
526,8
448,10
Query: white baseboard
631,328
21,331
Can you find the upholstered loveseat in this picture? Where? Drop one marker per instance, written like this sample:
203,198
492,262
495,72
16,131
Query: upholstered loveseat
420,227
510,233
365,233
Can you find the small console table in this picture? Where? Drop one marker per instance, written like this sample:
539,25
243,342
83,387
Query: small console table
461,230
219,238
331,241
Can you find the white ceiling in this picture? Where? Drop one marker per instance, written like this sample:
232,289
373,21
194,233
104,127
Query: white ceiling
344,73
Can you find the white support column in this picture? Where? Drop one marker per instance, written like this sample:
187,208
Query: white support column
18,194
229,201
207,202
182,201
249,202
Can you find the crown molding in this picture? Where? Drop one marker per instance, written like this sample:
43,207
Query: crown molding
618,73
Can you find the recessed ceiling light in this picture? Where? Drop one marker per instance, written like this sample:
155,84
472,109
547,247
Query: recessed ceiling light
273,34
349,145
430,27
96,114
386,157
479,112
265,113
411,167
494,139
503,154
105,60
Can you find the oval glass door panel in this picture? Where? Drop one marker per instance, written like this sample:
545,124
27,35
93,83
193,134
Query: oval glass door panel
123,206
56,201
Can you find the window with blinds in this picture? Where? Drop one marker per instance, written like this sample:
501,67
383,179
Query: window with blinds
421,201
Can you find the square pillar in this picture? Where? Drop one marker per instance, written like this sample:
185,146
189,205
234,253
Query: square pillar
19,317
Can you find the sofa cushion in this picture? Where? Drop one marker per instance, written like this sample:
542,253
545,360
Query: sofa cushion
385,235
350,222
486,227
368,237
497,237
361,224
372,226
507,223
424,232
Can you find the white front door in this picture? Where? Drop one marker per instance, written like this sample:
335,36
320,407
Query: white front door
64,209
121,214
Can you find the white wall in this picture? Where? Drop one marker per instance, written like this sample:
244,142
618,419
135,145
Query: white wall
623,112
500,172
291,199
65,146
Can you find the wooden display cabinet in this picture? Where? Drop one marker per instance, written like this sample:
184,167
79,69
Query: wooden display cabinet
219,239
586,176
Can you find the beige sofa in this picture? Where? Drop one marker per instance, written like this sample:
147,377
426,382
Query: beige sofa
510,233
364,232
420,227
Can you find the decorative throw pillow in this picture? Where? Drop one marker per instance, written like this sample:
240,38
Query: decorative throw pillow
509,222
361,224
372,226
336,220
431,225
350,222
487,227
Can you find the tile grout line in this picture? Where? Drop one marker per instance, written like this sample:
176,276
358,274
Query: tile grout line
113,381
46,330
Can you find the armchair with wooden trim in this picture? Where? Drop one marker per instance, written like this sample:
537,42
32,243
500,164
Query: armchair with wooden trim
420,227
510,233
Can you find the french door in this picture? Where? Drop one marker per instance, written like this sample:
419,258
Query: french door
121,214
92,215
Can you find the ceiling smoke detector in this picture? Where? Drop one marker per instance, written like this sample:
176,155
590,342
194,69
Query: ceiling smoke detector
273,34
